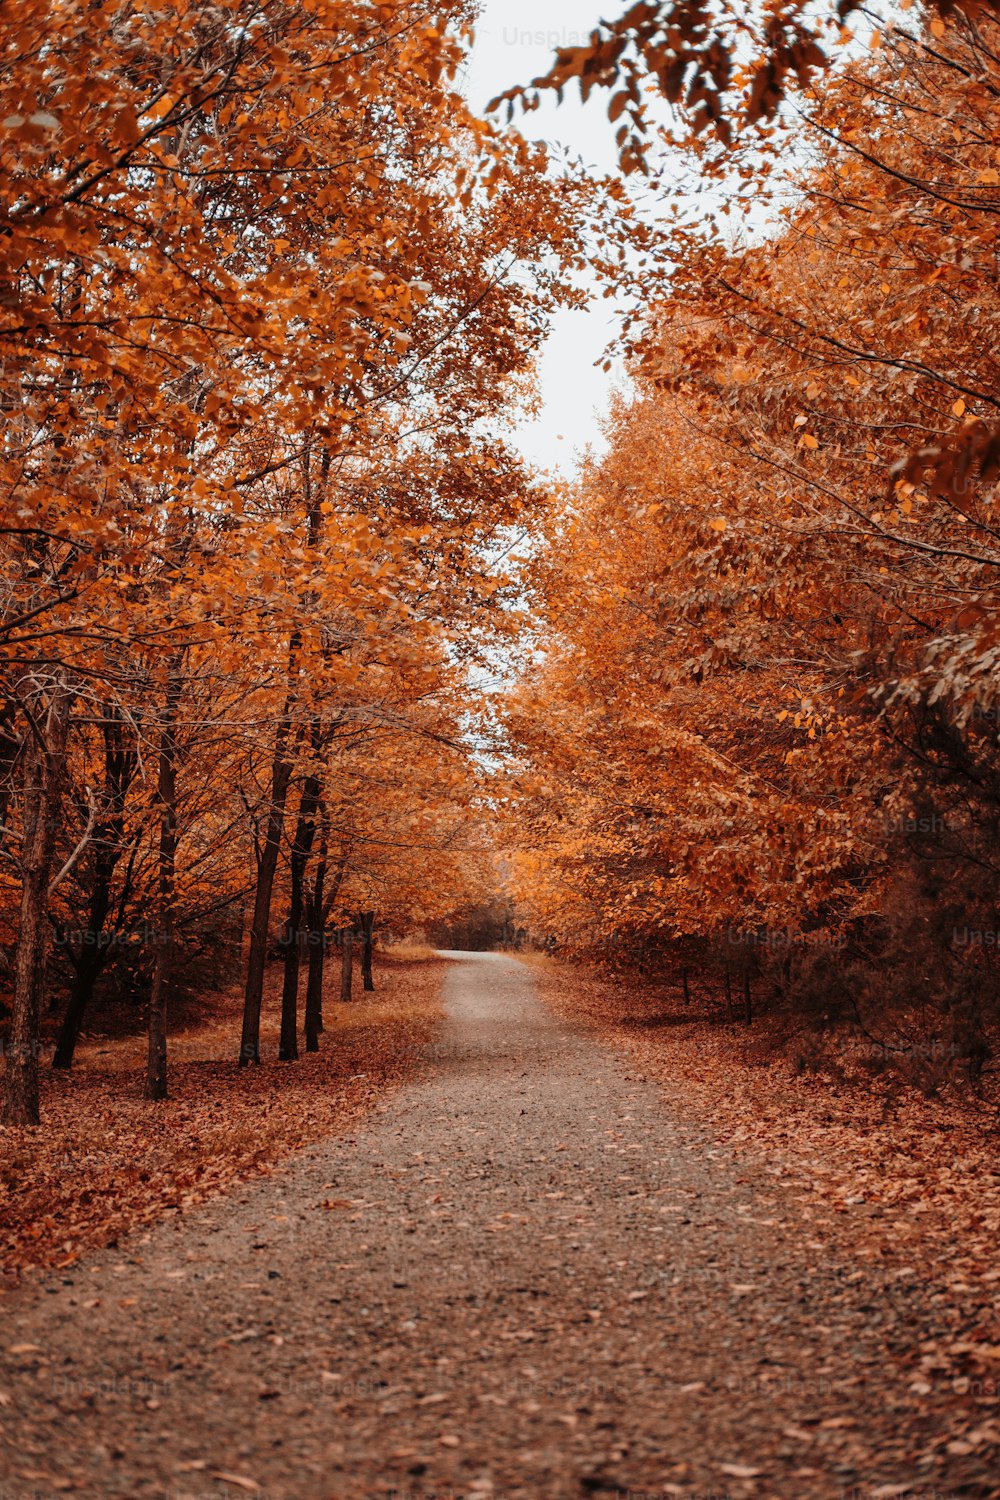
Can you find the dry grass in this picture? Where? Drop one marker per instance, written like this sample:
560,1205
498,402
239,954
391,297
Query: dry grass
105,1162
539,960
407,952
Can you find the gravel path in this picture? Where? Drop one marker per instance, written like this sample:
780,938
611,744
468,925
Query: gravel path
521,1278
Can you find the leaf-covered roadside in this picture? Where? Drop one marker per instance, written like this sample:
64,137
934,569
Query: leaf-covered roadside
911,1184
103,1167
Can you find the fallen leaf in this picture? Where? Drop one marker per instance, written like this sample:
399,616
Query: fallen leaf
239,1480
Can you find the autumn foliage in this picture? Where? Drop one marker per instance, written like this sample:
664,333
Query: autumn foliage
271,293
267,287
761,738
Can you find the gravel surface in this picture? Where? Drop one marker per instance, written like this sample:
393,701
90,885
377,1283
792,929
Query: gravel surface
519,1278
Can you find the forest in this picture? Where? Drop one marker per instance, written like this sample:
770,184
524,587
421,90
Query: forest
271,287
540,929
760,738
274,294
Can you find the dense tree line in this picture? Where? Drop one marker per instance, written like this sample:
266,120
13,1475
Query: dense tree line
763,732
266,283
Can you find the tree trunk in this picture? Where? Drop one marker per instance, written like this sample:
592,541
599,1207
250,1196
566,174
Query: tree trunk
156,1022
95,951
156,1033
44,768
729,995
305,831
288,1041
316,928
346,963
281,775
80,994
368,935
747,1006
314,990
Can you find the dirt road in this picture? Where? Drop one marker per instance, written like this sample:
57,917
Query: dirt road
521,1278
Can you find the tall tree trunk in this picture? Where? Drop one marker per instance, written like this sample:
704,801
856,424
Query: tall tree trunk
80,994
368,936
288,1046
156,1033
324,900
281,775
747,1002
314,990
94,953
89,964
346,963
44,769
316,928
288,1041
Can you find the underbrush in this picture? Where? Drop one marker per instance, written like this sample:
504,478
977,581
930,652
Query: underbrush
884,1010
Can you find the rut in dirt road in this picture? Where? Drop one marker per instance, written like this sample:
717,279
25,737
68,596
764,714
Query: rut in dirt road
521,1278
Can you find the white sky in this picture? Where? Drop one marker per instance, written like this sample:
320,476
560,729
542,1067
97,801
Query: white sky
515,40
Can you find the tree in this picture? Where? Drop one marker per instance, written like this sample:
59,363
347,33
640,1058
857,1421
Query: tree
272,284
695,56
761,720
47,708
